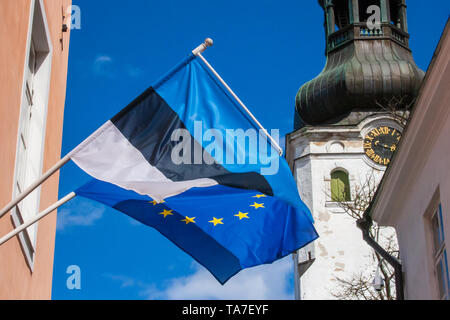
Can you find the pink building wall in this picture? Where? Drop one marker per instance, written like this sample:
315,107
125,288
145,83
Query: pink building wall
17,280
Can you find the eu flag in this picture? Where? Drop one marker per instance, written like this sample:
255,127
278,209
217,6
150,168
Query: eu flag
182,159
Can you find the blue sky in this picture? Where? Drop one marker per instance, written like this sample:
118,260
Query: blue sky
264,49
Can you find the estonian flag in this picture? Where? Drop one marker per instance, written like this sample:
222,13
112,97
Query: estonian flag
227,214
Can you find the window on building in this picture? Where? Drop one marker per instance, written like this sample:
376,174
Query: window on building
440,255
341,15
394,13
32,123
363,6
340,186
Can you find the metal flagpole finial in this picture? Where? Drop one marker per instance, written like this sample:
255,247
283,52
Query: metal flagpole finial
201,48
209,42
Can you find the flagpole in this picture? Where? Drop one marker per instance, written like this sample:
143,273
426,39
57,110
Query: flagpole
66,159
42,215
36,184
198,52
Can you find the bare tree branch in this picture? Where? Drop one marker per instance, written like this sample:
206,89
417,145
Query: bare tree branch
359,286
398,107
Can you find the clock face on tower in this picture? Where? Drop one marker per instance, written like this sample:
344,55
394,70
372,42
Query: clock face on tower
380,144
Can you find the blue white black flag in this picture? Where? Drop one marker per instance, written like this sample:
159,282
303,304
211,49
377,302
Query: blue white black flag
175,160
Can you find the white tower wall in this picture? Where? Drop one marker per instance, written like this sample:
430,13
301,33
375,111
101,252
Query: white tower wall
314,153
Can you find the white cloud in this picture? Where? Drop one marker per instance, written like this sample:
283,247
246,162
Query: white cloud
79,212
103,59
124,281
106,66
267,282
102,66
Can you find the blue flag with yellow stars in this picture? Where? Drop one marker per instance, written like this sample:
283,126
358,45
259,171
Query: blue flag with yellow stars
185,159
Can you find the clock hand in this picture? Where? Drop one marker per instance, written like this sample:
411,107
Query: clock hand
377,143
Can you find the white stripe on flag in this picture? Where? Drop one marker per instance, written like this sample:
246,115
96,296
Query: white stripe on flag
108,156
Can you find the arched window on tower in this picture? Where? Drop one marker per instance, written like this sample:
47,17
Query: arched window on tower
340,186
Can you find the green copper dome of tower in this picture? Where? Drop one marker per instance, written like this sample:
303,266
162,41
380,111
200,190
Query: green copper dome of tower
368,61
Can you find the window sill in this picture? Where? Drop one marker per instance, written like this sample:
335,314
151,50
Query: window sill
335,207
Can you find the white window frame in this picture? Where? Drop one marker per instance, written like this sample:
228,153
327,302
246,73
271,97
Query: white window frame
439,255
39,35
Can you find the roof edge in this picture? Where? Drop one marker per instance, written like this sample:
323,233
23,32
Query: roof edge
373,206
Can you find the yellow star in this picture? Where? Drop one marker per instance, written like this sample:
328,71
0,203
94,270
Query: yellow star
166,213
156,202
257,205
189,220
260,196
242,215
216,221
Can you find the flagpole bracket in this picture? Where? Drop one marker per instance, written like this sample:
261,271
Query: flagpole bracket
201,48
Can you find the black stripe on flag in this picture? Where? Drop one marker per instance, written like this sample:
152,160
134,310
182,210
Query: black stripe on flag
148,123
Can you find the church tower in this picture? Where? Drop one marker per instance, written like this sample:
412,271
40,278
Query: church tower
345,131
